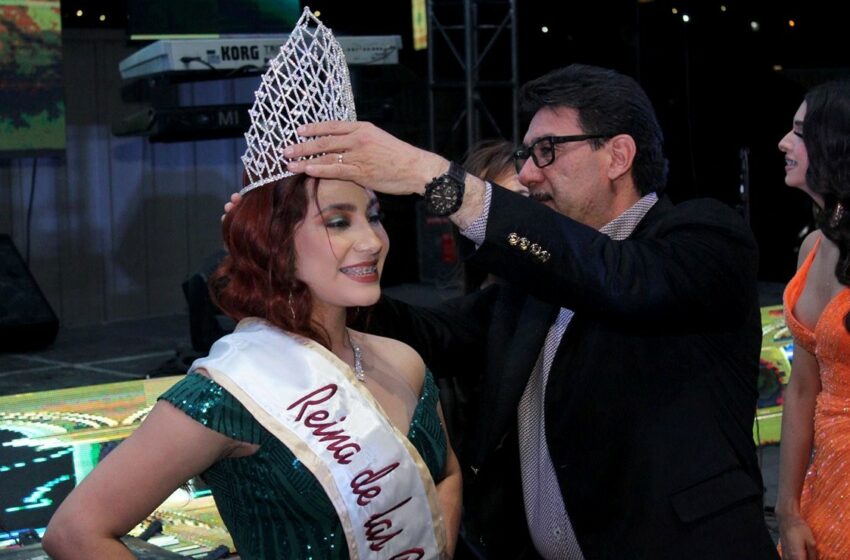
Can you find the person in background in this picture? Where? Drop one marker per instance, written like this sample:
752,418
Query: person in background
491,159
814,470
621,354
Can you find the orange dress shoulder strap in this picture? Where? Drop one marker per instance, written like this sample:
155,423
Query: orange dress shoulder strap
803,335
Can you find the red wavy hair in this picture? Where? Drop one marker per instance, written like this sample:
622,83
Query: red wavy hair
257,277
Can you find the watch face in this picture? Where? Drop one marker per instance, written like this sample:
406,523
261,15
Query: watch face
443,197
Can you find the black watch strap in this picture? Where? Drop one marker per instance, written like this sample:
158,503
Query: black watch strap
456,172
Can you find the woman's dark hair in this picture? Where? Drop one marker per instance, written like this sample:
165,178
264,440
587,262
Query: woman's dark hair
257,277
487,159
826,133
607,103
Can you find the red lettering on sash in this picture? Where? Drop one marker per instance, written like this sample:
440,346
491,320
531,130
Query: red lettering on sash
365,493
329,390
378,523
409,554
339,445
364,484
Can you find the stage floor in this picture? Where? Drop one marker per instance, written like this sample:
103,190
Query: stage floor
65,407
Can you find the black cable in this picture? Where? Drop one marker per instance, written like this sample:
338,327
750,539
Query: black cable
235,71
29,208
244,68
154,528
218,552
188,59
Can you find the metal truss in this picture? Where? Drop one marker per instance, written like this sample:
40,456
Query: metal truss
473,75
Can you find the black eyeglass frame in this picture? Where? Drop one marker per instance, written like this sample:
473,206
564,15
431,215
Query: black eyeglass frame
521,154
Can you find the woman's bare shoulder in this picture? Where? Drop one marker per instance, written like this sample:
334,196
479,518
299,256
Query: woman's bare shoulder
397,355
807,246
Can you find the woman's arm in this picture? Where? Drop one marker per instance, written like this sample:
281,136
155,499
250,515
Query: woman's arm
794,453
450,492
798,413
163,453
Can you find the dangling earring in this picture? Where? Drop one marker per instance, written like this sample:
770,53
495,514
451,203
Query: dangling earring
837,215
291,307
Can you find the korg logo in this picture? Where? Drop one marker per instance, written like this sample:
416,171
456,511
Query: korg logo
243,52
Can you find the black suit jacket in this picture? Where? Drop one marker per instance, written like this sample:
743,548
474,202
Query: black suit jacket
651,397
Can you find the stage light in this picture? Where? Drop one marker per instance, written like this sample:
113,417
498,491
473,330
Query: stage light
686,18
102,17
754,25
317,13
675,11
79,13
722,7
791,23
544,29
777,68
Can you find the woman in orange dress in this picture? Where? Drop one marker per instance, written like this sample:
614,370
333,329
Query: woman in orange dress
813,503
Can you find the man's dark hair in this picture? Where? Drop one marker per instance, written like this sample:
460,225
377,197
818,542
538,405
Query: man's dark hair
607,103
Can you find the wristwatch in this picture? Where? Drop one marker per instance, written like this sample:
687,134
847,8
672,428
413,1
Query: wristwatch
444,194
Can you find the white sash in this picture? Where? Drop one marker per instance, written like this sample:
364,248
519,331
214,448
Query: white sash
308,398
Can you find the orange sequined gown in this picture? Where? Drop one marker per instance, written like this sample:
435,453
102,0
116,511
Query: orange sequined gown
825,501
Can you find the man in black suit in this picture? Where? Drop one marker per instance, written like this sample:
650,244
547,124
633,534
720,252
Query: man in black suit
618,363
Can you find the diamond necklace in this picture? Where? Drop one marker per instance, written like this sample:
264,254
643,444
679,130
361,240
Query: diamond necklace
358,359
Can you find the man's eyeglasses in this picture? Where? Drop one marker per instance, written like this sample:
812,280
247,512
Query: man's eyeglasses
542,151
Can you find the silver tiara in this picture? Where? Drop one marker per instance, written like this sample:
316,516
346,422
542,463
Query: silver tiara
306,82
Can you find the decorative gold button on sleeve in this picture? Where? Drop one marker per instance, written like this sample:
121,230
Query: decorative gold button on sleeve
513,239
535,249
544,256
524,243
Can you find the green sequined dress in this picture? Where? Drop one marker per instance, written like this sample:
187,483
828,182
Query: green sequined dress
272,505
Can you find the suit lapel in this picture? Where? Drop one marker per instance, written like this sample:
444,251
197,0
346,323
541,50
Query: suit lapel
509,376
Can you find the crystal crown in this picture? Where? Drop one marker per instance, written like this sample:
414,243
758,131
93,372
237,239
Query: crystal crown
306,82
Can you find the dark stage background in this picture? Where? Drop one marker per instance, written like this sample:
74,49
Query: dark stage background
729,79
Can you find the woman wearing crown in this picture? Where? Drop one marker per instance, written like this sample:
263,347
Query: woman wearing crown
317,441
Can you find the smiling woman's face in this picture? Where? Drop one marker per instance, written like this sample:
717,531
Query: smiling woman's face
341,246
796,157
